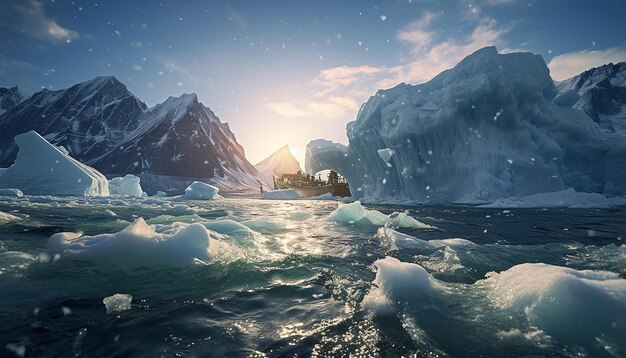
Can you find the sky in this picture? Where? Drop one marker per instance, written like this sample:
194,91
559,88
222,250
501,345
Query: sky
287,72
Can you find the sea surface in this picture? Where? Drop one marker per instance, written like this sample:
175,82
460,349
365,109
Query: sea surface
282,278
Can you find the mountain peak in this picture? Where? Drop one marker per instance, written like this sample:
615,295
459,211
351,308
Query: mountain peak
278,163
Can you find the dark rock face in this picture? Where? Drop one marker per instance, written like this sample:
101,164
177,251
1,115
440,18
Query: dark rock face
9,98
181,137
104,125
602,93
88,118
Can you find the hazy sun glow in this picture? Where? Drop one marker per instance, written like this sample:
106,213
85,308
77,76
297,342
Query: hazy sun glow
294,151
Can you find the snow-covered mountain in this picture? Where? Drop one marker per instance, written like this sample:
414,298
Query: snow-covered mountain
486,129
101,123
183,138
88,119
601,94
9,98
278,163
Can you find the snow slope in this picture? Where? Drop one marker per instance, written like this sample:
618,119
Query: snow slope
41,168
279,163
486,129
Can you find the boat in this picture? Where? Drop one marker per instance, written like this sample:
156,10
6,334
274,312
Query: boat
308,186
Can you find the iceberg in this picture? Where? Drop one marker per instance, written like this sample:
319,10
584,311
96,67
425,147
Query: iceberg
127,185
282,194
41,168
200,191
484,130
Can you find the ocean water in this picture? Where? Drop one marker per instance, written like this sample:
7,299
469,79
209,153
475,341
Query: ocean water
282,279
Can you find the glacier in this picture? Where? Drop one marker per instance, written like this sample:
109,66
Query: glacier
41,168
486,129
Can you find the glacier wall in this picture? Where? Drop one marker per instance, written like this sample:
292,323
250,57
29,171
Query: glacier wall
486,129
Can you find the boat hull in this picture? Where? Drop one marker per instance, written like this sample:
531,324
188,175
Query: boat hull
308,192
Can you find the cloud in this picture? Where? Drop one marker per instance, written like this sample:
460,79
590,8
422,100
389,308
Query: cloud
416,33
334,78
572,63
181,70
236,18
331,108
427,58
10,65
29,17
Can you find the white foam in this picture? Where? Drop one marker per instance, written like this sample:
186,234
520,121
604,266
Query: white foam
6,217
117,303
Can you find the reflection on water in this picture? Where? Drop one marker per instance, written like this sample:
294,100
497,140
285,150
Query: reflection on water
285,280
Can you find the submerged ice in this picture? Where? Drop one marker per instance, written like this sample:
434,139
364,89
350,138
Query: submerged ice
486,129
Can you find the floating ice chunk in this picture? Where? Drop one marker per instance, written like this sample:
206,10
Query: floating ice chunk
400,239
282,194
396,280
41,168
18,349
404,220
11,192
6,217
160,194
385,153
355,213
348,213
137,245
117,303
572,306
559,199
200,191
127,185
